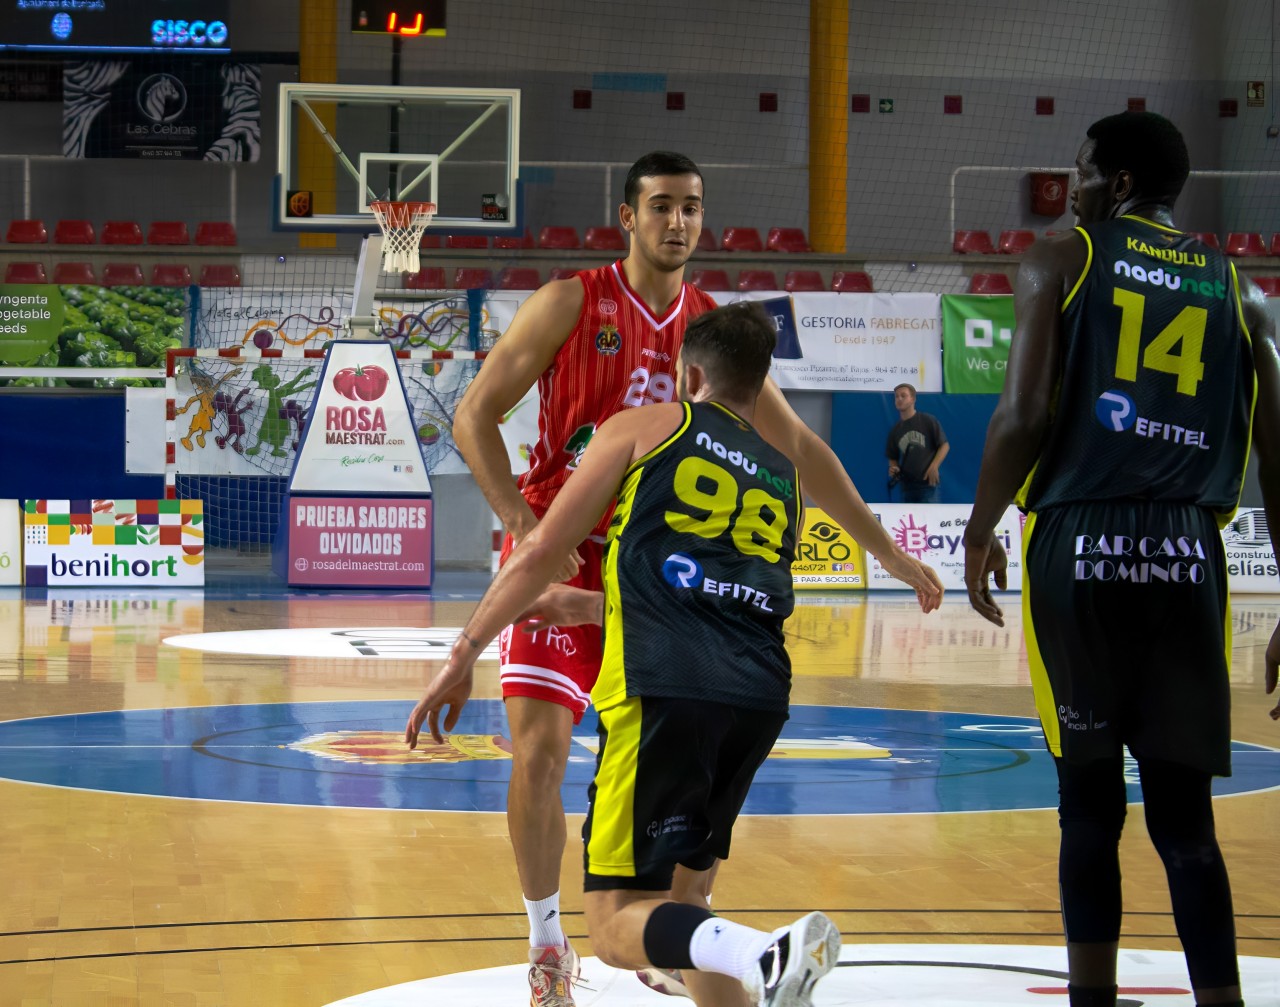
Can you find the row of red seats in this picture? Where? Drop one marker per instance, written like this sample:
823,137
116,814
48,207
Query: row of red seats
527,278
121,232
123,274
1239,243
611,239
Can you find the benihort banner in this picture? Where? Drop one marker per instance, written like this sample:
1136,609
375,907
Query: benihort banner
360,436
359,541
976,332
933,534
124,543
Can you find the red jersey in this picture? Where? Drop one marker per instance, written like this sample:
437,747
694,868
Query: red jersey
619,354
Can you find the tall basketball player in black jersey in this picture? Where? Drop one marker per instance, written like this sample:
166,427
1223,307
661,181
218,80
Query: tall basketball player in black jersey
1140,361
695,681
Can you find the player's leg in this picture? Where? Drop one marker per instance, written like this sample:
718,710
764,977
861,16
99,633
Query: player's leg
1091,812
1179,813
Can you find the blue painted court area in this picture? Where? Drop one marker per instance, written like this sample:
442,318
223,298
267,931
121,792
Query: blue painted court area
829,760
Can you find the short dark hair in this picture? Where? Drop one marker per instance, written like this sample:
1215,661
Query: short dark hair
910,388
653,164
1146,145
734,345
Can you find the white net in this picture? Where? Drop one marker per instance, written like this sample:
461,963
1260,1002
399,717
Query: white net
402,226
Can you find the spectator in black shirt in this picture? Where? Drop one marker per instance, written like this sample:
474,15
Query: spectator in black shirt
916,449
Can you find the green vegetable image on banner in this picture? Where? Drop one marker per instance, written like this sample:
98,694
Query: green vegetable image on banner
975,342
30,321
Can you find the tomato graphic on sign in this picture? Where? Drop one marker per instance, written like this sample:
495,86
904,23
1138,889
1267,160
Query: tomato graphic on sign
361,384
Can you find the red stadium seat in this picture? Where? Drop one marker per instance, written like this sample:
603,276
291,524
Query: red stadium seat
216,274
519,278
852,282
73,232
563,272
710,279
467,241
1016,242
707,242
1206,238
1270,285
25,272
604,239
513,241
431,240
990,283
972,243
803,279
558,237
122,274
27,232
758,279
426,278
1275,244
470,279
121,232
787,239
73,272
168,232
1242,243
741,239
215,232
170,274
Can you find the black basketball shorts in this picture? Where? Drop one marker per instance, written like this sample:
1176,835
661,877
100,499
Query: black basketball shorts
1128,631
671,777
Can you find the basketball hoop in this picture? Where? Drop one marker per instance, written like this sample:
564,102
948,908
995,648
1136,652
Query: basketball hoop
402,226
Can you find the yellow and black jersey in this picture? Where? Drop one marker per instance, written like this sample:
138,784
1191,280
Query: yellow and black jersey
697,569
1156,396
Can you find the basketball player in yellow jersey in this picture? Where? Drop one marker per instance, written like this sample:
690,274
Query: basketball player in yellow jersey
694,685
1140,360
574,343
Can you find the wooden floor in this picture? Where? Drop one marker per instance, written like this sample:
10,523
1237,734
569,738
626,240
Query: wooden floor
116,898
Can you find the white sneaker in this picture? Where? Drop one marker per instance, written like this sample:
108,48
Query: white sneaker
668,981
802,954
552,973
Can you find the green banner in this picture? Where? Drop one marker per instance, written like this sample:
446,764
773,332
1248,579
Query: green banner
30,321
976,331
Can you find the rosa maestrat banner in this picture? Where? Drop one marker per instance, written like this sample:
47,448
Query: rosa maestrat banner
976,331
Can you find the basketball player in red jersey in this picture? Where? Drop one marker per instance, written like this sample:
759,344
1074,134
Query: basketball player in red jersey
602,341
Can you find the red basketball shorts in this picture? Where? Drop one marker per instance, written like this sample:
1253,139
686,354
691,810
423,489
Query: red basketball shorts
557,665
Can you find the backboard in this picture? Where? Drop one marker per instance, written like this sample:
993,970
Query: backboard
344,145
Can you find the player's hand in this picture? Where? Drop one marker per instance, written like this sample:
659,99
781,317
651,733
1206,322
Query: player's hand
1273,669
451,688
916,575
562,605
981,559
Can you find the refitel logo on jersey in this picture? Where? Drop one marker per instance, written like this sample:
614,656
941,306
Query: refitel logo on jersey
1118,412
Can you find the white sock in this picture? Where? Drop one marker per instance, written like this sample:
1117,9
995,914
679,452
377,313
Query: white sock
544,922
719,945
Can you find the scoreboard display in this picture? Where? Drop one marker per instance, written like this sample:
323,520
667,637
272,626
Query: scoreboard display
116,26
398,17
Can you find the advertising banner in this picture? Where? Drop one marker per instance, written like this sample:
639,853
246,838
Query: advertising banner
10,543
359,542
827,556
854,342
124,543
30,321
359,434
932,534
201,110
1251,562
976,331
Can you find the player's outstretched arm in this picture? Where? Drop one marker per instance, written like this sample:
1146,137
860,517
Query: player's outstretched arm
521,354
824,479
1266,435
1022,416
